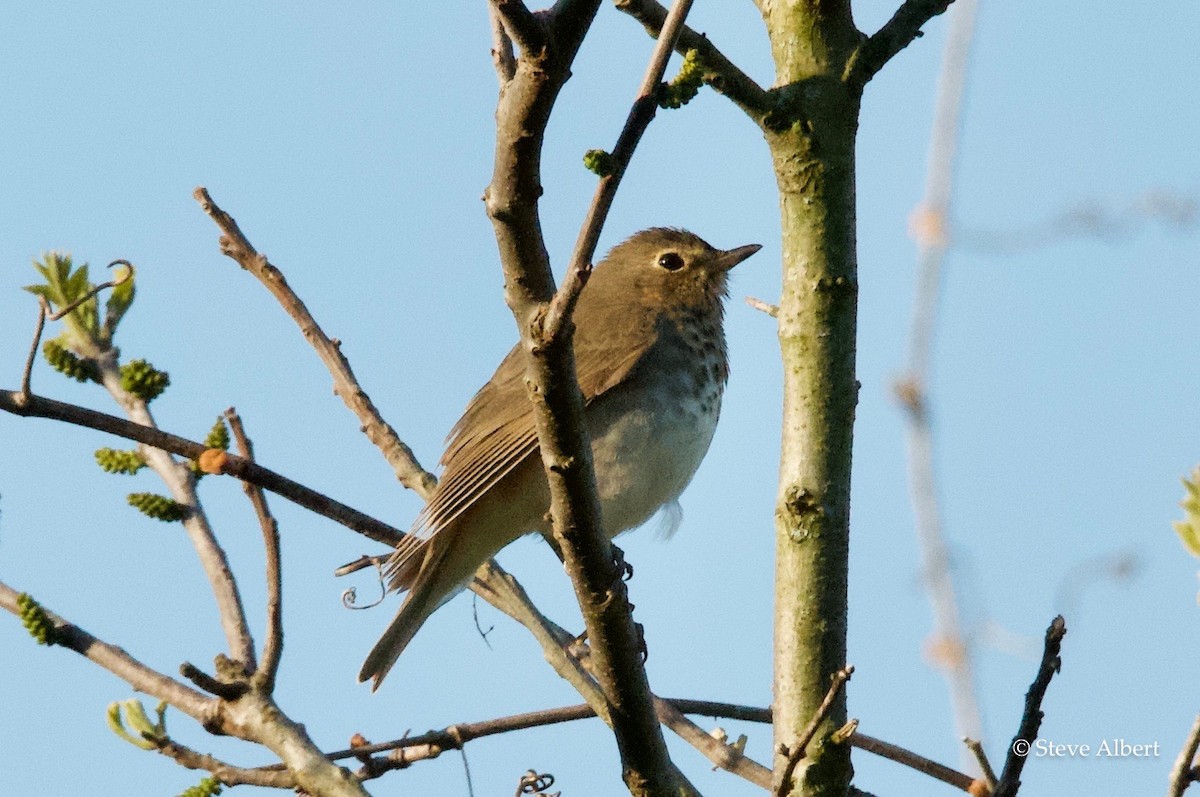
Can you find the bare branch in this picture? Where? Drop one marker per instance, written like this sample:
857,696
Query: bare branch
640,115
273,645
912,760
1183,773
1031,719
235,245
899,32
227,773
40,407
981,758
799,748
121,664
722,755
719,72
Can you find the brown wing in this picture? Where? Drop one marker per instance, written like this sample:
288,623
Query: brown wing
496,433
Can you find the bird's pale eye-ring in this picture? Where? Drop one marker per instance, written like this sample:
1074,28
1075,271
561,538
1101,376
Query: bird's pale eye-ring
671,261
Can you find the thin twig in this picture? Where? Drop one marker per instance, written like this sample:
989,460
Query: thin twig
1183,773
763,307
236,246
226,773
273,644
912,760
41,407
799,748
719,72
985,766
640,115
722,755
1031,719
899,32
27,376
112,658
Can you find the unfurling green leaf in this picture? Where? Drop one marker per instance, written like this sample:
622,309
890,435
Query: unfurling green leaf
208,787
1188,529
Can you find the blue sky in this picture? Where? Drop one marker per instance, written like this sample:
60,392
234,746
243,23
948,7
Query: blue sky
353,146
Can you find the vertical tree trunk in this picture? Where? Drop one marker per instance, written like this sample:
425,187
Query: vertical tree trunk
811,135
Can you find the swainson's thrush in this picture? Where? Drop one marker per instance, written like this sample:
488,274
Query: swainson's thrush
650,356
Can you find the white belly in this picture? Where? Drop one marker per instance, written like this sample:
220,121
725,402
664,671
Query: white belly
645,455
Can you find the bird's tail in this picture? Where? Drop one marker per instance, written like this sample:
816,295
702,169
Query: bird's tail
425,595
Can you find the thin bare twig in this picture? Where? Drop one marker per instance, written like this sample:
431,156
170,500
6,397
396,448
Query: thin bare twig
112,658
273,644
799,748
719,72
912,760
226,773
985,766
763,307
722,755
640,115
27,375
236,246
1183,773
1031,719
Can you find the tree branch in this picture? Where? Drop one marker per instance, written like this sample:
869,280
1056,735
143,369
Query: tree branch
41,407
511,198
133,672
236,246
1031,720
899,32
640,115
273,645
719,72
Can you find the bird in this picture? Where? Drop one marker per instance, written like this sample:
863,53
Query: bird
651,362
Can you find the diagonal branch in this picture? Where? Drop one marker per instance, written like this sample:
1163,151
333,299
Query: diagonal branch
503,59
1031,719
133,672
41,407
235,245
899,32
640,115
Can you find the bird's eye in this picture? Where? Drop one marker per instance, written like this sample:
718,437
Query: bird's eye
671,261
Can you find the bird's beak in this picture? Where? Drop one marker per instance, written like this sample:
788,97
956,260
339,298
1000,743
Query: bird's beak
731,257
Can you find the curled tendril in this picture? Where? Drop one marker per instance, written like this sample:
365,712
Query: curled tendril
350,596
